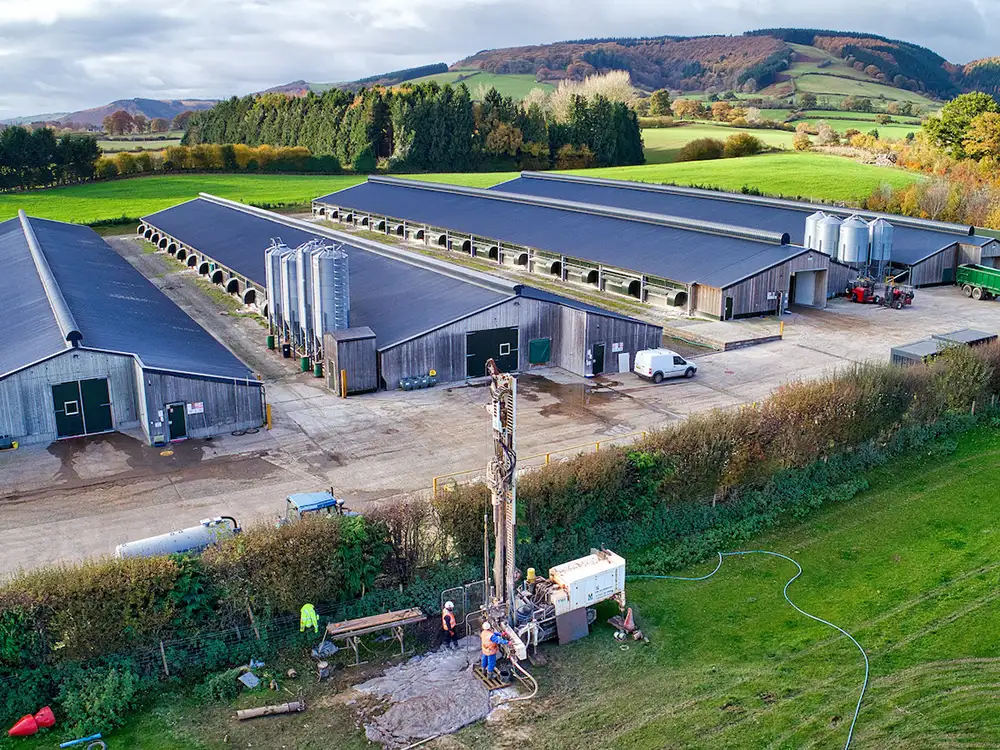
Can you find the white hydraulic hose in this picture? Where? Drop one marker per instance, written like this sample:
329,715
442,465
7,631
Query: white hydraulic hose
534,682
864,685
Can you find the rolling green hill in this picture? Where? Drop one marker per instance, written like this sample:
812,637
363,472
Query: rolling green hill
513,85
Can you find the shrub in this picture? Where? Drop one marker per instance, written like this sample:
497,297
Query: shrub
742,144
702,149
802,142
574,157
364,162
222,686
99,699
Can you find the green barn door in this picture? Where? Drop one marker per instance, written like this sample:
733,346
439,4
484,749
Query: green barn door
176,422
69,411
96,405
499,344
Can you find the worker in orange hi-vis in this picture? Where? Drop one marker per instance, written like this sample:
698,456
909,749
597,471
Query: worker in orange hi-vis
491,642
449,625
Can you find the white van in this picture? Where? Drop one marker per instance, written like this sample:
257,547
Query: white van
657,364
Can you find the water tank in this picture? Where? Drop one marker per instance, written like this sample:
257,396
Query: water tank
272,272
290,296
303,277
194,539
880,241
812,230
828,235
331,290
853,248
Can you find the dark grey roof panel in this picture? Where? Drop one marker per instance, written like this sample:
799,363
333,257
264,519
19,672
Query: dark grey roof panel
32,330
678,254
395,299
910,244
119,310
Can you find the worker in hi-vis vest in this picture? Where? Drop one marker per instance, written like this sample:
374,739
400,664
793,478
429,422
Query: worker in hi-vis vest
491,645
308,618
449,625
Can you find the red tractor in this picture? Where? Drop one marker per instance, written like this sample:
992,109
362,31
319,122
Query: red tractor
865,291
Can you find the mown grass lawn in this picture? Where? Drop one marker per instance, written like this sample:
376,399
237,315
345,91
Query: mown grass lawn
908,567
663,144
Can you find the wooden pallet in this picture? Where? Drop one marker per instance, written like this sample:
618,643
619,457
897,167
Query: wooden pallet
492,683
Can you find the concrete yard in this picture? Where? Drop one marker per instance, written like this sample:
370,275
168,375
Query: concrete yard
82,497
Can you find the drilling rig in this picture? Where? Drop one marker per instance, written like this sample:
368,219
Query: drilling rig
535,609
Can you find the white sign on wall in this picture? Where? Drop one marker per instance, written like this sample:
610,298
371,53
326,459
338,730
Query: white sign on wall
619,347
198,407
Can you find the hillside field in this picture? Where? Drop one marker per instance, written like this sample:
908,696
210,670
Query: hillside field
663,144
816,176
512,85
909,569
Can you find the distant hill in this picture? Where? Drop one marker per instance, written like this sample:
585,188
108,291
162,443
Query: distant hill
151,108
753,61
301,88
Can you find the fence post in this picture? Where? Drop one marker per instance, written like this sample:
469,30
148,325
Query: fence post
163,655
548,456
253,622
597,446
434,486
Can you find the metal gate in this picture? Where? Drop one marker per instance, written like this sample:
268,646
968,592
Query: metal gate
500,344
469,600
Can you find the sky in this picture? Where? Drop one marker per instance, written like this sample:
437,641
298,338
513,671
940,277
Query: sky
66,55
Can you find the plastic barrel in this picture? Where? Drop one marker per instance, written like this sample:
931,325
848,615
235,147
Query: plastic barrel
304,364
270,341
318,370
286,351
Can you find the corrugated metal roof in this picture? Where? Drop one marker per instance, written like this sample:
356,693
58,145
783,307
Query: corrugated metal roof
116,308
32,330
910,244
397,300
678,254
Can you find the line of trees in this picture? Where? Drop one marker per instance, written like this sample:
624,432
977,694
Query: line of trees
210,157
38,158
428,127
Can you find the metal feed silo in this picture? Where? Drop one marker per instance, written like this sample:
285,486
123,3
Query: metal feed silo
828,235
880,234
331,290
272,272
290,297
853,248
812,230
303,278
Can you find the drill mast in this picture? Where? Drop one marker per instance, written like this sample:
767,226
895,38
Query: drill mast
501,477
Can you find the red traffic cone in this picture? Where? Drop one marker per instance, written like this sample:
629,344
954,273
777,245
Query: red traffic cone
45,717
25,727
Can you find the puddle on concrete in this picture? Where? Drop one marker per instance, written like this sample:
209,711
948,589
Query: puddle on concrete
572,399
86,458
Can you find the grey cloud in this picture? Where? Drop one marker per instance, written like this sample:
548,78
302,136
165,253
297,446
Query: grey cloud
215,48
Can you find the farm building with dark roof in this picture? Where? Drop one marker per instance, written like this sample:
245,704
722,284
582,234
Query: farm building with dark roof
701,264
98,348
425,314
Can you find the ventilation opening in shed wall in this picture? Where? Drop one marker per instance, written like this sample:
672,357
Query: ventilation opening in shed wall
419,235
203,269
467,246
218,277
593,277
494,253
400,230
155,238
148,234
522,259
442,240
556,269
179,251
380,226
321,211
364,222
250,296
192,261
233,287
635,288
163,243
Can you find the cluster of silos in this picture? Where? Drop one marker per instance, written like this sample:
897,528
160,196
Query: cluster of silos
852,241
308,293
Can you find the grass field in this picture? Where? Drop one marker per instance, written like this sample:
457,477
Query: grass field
892,131
908,568
834,86
513,85
140,142
817,176
663,144
809,175
831,114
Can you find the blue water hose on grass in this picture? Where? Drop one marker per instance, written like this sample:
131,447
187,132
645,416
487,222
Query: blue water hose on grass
864,685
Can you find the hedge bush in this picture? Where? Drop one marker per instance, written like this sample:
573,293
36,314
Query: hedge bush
701,149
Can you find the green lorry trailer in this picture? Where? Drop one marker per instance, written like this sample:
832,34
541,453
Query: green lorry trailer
978,282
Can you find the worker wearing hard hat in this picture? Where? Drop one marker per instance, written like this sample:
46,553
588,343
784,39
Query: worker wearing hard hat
492,641
449,625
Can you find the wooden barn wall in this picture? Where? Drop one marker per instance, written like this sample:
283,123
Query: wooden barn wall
443,350
358,356
627,336
937,269
228,405
968,254
707,300
750,296
837,279
26,410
